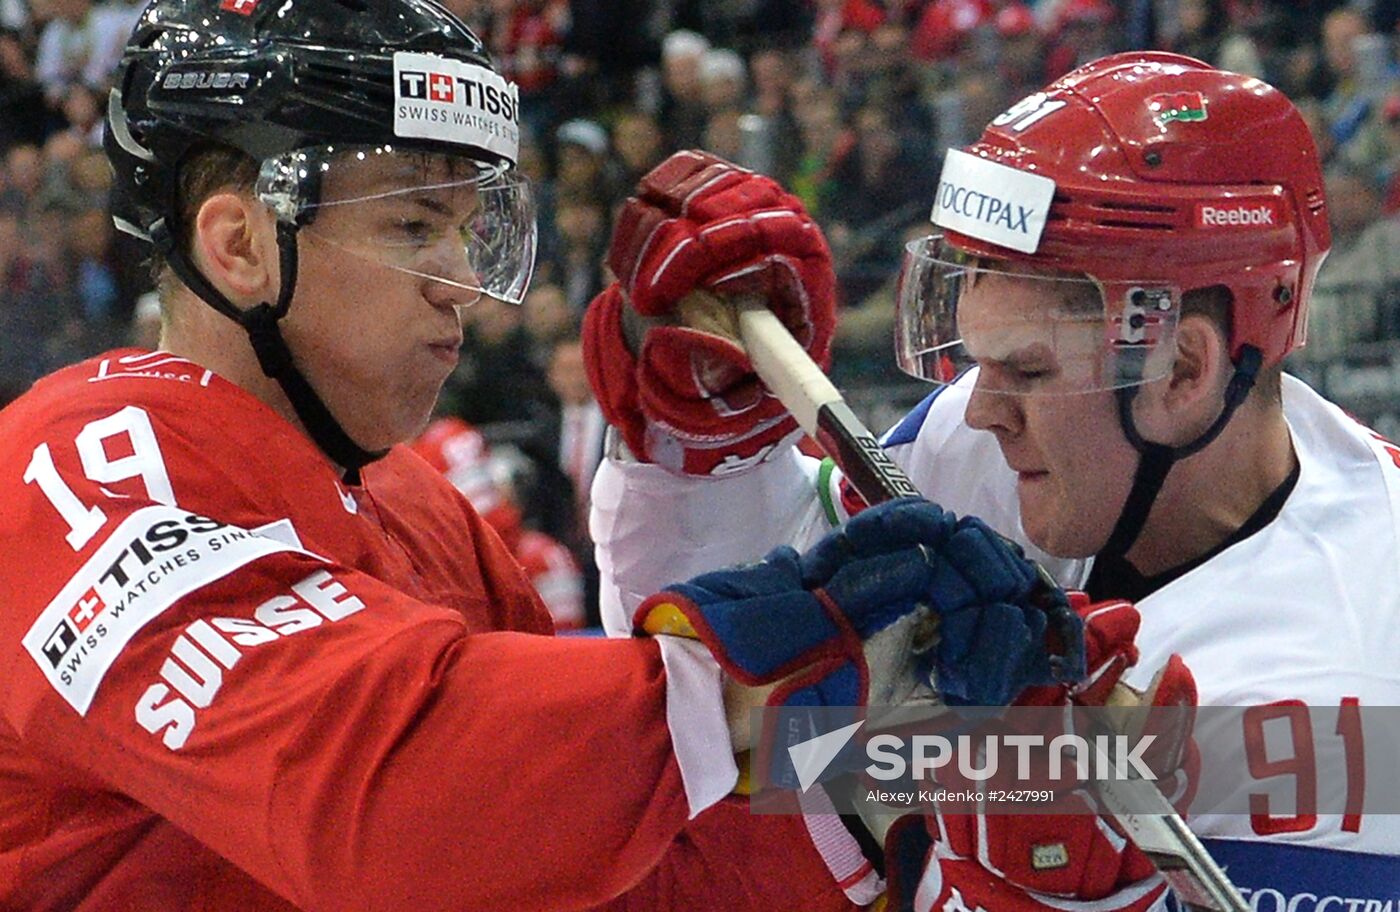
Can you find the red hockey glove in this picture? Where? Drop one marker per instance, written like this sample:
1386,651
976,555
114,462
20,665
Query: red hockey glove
1024,862
682,397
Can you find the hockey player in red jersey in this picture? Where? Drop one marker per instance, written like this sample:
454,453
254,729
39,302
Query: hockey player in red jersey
461,453
254,655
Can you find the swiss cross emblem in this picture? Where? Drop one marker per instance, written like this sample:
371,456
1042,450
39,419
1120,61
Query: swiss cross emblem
88,606
440,87
241,7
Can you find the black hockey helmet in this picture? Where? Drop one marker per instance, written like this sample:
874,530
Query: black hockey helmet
264,77
303,87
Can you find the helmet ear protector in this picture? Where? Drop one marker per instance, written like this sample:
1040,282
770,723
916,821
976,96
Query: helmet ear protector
1144,175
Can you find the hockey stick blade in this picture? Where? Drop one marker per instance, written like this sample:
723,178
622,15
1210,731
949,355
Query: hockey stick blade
784,366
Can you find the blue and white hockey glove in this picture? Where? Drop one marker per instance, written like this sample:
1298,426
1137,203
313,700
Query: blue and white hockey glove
907,598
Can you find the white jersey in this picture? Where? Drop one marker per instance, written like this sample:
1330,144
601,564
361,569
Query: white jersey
1303,616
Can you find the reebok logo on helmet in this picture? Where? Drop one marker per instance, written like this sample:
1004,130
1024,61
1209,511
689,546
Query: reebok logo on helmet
1230,214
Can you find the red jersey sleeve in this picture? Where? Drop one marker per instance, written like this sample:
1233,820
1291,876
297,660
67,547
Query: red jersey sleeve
326,713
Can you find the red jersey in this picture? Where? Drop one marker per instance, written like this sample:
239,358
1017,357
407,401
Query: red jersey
230,682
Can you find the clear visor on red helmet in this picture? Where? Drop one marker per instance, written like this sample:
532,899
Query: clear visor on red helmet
1030,331
443,217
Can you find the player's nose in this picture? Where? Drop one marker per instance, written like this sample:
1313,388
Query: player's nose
990,410
452,282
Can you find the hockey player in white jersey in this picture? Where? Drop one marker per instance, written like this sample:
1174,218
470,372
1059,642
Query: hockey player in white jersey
1114,273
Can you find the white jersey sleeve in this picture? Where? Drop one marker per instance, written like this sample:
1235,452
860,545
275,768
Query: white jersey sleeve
653,528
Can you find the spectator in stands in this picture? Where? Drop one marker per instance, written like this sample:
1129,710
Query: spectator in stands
548,317
683,113
1345,31
496,378
893,81
88,239
724,136
108,24
1375,148
526,39
61,58
582,223
639,143
83,115
585,169
23,114
1359,279
823,142
723,81
878,187
580,439
34,318
1084,30
1201,29
837,17
851,66
10,258
945,26
1020,53
772,73
24,177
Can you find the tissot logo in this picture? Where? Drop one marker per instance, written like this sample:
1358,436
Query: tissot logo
445,88
139,566
152,559
453,101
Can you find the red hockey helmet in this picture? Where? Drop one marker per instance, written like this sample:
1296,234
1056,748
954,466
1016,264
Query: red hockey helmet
1150,173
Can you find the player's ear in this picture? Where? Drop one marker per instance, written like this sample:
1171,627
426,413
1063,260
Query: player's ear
235,246
1191,395
1179,407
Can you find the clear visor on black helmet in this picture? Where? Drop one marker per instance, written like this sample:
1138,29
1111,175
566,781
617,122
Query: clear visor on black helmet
444,217
1030,332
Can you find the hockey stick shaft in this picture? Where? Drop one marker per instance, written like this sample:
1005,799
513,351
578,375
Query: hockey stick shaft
822,412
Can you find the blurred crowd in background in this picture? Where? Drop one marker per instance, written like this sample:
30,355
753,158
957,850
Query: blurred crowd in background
850,103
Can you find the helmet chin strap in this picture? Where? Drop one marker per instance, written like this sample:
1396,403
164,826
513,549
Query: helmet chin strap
1157,459
274,357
